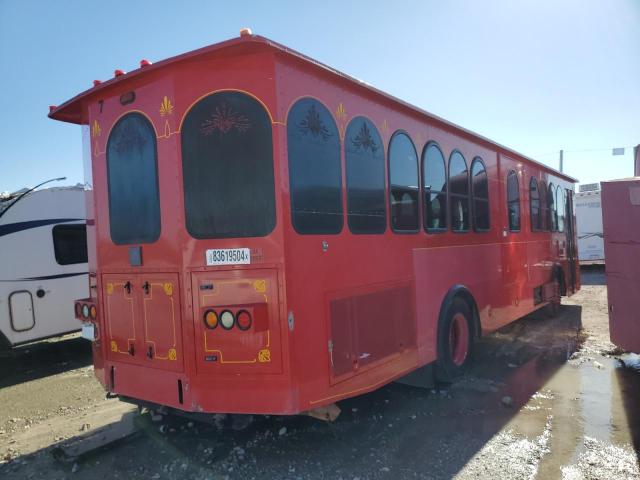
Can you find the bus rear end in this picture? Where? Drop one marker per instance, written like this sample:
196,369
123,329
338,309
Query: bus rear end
187,298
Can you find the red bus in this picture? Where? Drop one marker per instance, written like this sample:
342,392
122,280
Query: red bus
269,235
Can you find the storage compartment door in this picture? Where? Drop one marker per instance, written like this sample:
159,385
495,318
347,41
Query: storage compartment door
161,319
121,316
21,310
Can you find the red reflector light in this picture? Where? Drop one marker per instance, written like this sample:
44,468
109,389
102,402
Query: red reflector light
243,320
93,312
117,73
78,309
210,319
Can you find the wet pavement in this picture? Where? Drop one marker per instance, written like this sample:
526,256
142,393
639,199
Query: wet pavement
545,398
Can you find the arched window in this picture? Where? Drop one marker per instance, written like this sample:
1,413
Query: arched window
132,179
434,179
544,209
364,158
480,195
513,201
560,208
315,172
403,183
458,192
534,205
553,212
227,165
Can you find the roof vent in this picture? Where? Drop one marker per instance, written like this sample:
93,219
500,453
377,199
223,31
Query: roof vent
245,32
118,73
52,108
97,82
144,63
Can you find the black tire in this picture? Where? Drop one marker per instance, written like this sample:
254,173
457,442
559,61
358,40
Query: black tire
451,362
4,343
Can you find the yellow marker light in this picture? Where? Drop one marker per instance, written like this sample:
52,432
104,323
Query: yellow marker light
227,320
93,312
211,319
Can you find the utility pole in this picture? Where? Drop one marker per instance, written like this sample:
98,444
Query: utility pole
561,160
636,156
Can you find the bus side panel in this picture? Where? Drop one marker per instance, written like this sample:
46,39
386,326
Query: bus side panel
476,267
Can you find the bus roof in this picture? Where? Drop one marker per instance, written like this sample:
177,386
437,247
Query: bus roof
71,110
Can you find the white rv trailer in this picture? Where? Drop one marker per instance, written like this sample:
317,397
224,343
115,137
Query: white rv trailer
43,263
589,224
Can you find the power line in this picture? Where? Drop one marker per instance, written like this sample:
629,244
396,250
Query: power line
556,152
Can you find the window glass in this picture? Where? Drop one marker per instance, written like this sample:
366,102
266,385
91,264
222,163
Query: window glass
227,161
544,209
560,208
315,175
553,212
534,203
513,201
480,195
459,192
435,188
364,158
403,183
132,178
70,244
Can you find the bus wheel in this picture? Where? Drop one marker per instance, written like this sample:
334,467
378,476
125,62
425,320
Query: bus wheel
454,341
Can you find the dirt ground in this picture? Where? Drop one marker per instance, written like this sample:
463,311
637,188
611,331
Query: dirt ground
545,398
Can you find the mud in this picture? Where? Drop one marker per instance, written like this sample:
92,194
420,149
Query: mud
545,398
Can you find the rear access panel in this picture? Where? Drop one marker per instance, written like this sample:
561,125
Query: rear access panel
234,350
142,320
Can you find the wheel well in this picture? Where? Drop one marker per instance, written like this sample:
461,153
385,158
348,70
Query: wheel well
460,291
4,343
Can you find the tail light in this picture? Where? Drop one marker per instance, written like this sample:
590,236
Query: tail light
93,312
210,319
227,320
243,319
78,310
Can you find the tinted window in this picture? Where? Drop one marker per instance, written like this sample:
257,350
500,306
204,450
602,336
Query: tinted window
459,192
480,195
552,209
560,208
227,161
70,244
315,176
544,209
403,183
435,188
534,203
132,177
364,157
513,201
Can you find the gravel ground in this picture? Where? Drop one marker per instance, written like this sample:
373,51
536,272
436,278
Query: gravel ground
545,398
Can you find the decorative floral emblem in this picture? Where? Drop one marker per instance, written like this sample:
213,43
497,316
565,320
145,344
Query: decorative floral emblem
264,355
225,119
364,139
168,289
314,125
109,288
95,129
385,127
172,354
165,107
114,346
260,286
341,114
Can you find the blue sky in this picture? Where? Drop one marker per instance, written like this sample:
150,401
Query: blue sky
534,75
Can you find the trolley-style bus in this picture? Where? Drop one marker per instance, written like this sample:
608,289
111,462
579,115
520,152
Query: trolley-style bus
269,235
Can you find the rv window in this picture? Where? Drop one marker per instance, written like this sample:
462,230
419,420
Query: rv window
227,162
132,177
315,175
70,244
364,158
